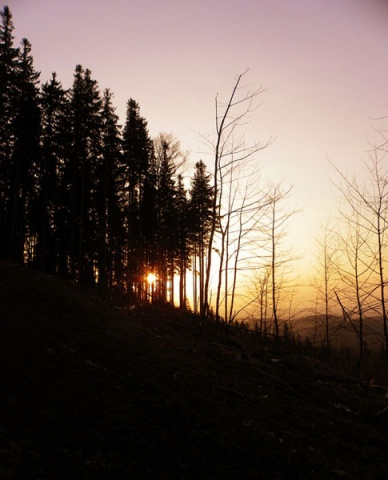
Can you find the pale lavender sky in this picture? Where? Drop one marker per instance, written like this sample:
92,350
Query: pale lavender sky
323,64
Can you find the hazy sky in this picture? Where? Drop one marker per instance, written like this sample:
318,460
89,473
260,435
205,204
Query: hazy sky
323,64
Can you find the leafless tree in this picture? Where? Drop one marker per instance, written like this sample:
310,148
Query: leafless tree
177,156
280,256
261,284
355,289
326,277
241,209
368,203
230,152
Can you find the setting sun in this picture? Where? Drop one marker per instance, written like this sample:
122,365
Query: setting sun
194,239
153,201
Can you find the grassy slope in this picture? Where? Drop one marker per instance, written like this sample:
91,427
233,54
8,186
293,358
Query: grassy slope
89,393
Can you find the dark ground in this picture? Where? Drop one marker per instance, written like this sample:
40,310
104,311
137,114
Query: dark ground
88,392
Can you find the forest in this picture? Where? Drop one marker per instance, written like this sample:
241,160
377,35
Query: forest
105,205
85,199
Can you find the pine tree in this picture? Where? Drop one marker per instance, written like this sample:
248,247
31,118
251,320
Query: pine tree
167,150
182,239
148,216
137,147
26,157
201,198
9,70
111,238
85,154
52,205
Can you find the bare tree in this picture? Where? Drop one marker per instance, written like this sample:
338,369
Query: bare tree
270,283
369,202
239,228
261,285
278,255
355,289
230,152
326,279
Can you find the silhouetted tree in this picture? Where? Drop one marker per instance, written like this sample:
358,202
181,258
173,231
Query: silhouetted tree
182,240
85,156
9,70
149,221
277,257
25,158
369,211
167,150
137,153
326,282
261,300
110,224
201,200
51,209
227,150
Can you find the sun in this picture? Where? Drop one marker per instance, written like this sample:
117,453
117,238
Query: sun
151,278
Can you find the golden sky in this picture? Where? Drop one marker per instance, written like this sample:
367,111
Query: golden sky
323,64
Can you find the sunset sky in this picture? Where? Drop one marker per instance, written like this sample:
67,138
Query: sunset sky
323,64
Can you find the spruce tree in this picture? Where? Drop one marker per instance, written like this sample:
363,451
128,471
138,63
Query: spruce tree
85,154
148,216
26,158
52,205
182,239
137,153
110,227
167,150
9,70
201,198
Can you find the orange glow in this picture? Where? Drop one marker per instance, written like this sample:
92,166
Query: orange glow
151,278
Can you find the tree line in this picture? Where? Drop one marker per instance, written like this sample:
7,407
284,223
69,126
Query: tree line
352,276
106,205
84,198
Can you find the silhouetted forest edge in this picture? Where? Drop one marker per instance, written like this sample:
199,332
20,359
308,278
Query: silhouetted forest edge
103,204
92,392
86,198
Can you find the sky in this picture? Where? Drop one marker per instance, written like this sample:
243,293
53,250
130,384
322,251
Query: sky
323,65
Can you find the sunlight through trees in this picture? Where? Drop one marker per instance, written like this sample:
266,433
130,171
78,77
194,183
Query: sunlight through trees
107,206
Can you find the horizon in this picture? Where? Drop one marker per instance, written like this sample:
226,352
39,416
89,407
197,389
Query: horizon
317,116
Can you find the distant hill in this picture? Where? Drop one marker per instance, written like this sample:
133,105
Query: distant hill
342,333
91,392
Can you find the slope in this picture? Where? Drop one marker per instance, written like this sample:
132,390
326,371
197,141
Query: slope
89,392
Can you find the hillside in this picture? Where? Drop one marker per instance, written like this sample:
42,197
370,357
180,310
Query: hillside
90,392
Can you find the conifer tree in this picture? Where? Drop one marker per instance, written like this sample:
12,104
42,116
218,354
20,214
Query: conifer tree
148,215
110,228
19,141
137,152
52,206
167,151
85,154
182,243
201,198
9,59
25,159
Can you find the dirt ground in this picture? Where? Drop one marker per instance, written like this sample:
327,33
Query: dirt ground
88,391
